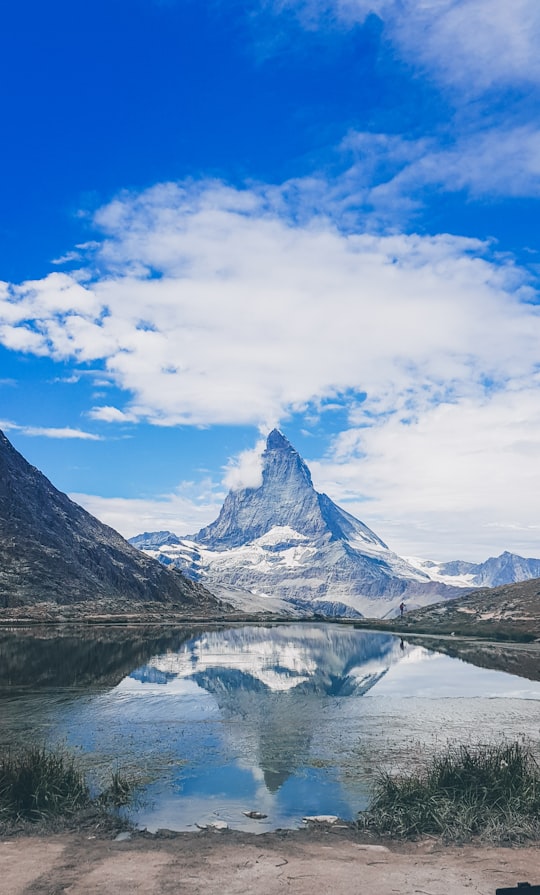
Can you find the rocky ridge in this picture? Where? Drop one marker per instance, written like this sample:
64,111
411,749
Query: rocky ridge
53,551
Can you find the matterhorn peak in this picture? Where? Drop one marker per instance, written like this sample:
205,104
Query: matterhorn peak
283,540
283,467
286,498
276,441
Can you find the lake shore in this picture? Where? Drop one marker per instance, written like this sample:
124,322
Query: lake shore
306,862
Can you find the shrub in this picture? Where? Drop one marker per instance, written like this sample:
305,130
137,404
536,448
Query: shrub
490,792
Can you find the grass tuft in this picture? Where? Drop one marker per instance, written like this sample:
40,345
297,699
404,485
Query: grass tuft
119,793
37,784
489,792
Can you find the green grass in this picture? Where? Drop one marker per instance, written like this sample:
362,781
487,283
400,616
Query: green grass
119,793
489,792
37,784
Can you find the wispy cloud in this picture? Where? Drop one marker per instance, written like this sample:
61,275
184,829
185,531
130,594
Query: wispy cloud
468,45
392,174
67,258
109,414
49,432
182,512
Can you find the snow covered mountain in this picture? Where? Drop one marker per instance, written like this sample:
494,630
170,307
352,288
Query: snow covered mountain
508,568
284,540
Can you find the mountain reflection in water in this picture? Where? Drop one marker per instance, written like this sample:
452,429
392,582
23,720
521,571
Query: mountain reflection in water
274,679
287,720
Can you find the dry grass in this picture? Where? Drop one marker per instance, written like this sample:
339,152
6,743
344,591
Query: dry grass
488,792
37,784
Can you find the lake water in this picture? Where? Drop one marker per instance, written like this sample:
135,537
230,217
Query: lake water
287,720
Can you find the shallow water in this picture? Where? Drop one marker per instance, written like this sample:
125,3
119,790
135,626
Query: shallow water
288,720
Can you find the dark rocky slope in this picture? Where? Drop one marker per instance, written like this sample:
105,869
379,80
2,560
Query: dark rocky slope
53,550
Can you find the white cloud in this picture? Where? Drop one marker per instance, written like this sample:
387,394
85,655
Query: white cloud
391,175
181,513
109,414
245,470
470,45
67,258
48,431
461,481
220,305
248,316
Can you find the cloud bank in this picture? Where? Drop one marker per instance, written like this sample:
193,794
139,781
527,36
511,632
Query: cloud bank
48,431
207,304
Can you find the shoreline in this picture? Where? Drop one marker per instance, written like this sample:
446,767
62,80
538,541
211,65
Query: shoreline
50,617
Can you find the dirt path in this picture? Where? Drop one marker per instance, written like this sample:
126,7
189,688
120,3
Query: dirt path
224,863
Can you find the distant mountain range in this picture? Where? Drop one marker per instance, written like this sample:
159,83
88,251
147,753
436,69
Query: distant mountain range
495,571
53,550
290,547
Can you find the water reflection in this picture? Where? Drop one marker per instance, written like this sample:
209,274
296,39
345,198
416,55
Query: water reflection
270,681
521,659
79,657
287,720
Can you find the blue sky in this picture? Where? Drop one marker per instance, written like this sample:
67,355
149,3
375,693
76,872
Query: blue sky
318,214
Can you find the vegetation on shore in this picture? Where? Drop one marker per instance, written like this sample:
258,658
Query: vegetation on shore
487,792
41,786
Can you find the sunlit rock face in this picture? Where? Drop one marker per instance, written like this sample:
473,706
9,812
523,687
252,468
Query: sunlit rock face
285,500
283,540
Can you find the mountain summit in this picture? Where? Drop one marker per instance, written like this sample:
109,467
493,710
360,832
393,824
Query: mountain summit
286,497
283,539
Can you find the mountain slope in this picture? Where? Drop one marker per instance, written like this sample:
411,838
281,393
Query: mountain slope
509,611
51,549
283,539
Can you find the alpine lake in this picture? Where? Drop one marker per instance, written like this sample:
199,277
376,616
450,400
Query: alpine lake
286,720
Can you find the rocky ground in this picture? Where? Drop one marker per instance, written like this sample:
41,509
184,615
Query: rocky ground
318,862
509,612
116,612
